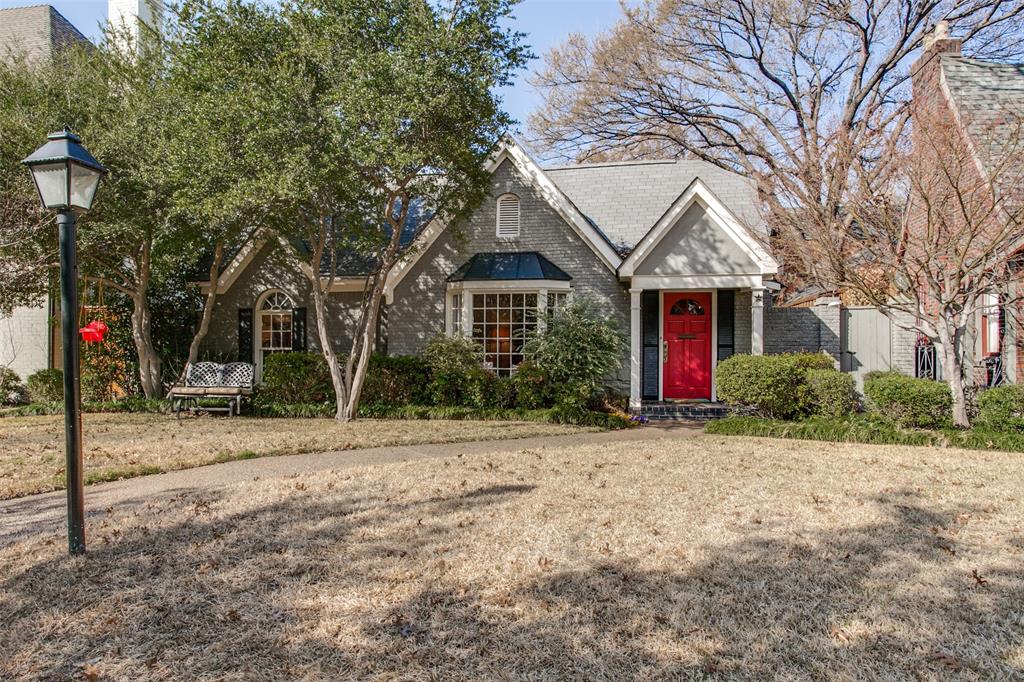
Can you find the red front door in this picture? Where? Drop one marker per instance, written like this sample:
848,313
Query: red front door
687,354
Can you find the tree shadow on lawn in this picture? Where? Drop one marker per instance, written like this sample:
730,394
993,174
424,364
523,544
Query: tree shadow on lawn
266,593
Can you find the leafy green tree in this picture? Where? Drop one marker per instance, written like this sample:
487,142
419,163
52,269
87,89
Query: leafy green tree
349,119
115,99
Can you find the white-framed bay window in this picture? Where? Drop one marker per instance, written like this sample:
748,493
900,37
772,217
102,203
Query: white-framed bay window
502,315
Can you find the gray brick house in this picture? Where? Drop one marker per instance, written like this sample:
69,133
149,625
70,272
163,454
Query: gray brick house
671,251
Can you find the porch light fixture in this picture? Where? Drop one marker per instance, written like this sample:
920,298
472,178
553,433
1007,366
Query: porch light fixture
66,176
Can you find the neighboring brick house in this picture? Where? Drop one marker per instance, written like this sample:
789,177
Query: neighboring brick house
671,251
980,105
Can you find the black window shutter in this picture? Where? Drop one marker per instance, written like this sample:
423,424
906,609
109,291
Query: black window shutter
245,335
650,366
726,324
299,329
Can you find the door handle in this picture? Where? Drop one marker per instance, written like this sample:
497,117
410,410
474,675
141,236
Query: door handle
664,351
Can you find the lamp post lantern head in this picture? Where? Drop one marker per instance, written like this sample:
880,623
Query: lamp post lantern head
65,173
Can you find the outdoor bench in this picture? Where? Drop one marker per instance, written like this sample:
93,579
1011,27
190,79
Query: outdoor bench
206,381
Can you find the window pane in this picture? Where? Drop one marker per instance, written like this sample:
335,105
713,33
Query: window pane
502,322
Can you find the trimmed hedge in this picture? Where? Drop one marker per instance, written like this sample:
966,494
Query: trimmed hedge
833,393
870,428
453,362
379,411
396,380
911,403
774,385
1001,408
46,386
132,404
294,378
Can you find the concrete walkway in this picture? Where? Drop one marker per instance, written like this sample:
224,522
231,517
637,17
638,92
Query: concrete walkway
46,512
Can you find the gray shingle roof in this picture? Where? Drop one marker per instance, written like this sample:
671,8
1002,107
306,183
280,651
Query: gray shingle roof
36,30
626,199
990,97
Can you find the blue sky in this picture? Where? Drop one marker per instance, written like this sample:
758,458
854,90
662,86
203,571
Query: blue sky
547,23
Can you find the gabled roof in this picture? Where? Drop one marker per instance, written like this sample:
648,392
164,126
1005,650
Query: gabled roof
510,151
697,192
990,100
520,265
626,199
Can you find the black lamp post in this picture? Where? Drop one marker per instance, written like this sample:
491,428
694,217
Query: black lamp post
66,176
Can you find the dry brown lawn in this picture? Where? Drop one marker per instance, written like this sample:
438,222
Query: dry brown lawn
124,445
691,558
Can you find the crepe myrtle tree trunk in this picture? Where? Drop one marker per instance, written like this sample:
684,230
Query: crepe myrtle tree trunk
319,235
208,304
950,339
396,211
142,334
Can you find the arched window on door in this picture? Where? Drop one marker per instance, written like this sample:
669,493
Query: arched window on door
275,328
687,306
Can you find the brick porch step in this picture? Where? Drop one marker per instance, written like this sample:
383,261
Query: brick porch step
683,411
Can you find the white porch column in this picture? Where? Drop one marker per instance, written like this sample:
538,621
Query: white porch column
757,320
635,348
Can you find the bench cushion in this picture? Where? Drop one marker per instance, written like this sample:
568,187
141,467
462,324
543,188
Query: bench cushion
209,391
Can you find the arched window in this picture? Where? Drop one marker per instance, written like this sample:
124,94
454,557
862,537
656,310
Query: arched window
275,325
686,306
508,216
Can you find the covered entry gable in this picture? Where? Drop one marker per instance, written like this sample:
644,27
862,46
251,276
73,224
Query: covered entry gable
698,237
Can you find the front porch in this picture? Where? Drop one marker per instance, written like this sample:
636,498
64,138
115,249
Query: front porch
697,283
677,338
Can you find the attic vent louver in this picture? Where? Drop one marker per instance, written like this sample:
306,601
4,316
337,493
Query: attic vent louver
508,216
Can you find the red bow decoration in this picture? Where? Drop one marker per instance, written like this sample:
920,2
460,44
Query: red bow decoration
94,331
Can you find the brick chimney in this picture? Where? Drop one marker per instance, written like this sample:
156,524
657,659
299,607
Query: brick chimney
925,73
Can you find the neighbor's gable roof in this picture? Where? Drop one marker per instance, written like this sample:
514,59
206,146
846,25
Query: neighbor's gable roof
988,101
37,31
989,96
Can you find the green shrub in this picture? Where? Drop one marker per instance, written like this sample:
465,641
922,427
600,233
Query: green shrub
774,385
912,403
599,419
833,393
46,386
295,378
577,349
396,380
486,390
854,429
453,362
1001,408
532,386
12,391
